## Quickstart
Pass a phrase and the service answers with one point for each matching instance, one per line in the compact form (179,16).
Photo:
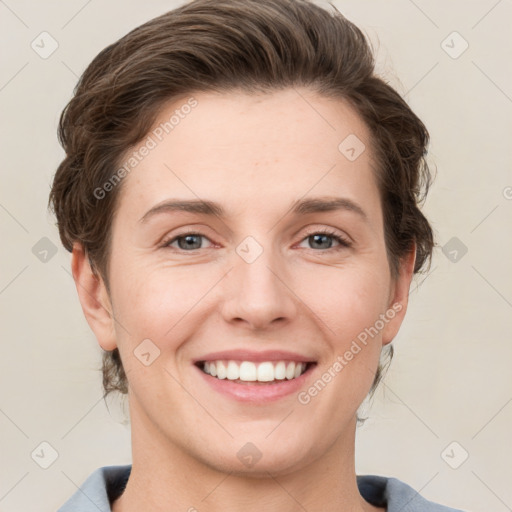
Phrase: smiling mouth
(264,372)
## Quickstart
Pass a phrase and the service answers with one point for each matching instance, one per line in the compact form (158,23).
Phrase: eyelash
(343,242)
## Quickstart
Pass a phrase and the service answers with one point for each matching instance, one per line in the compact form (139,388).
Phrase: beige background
(451,378)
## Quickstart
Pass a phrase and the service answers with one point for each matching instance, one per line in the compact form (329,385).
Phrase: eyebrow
(211,208)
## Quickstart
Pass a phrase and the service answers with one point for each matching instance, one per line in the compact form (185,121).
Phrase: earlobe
(94,298)
(397,306)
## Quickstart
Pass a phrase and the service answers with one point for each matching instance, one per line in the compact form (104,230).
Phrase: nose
(260,293)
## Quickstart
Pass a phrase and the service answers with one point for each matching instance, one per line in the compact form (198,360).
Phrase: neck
(165,477)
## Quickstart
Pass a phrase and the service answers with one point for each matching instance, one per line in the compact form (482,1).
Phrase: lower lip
(257,392)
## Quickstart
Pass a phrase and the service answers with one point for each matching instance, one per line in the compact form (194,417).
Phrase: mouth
(255,377)
(264,372)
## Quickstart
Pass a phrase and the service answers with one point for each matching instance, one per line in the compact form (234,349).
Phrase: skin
(255,155)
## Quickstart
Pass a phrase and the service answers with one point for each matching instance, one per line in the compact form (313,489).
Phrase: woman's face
(255,282)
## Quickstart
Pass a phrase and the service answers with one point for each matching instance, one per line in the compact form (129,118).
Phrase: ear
(94,298)
(399,297)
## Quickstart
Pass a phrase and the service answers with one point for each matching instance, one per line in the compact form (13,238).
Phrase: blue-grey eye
(189,241)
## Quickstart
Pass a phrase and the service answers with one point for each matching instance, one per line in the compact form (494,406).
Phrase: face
(260,283)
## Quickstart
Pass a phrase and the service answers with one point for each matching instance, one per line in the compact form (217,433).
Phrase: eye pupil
(189,241)
(318,237)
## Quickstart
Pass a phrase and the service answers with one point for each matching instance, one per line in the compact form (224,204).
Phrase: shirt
(107,483)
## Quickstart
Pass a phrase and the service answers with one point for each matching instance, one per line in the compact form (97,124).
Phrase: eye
(192,241)
(186,241)
(321,238)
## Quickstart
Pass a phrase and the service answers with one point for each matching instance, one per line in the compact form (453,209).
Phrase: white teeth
(290,371)
(249,371)
(233,371)
(221,369)
(265,372)
(280,371)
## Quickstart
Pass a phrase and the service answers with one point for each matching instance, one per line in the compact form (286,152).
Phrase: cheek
(347,299)
(166,305)
(157,306)
(153,304)
(352,303)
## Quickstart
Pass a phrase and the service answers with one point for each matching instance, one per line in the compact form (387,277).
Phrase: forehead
(244,149)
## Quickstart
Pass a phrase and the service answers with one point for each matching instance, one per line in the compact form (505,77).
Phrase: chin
(255,460)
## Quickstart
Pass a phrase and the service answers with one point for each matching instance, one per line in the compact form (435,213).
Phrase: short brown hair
(222,45)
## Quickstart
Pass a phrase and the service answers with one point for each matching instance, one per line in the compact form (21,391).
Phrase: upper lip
(251,355)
